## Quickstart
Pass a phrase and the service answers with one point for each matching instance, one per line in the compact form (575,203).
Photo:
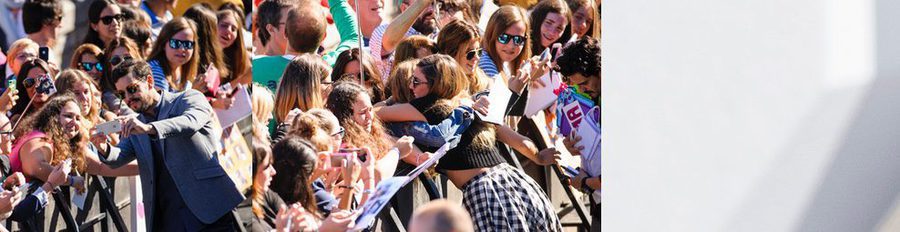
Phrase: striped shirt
(159,76)
(384,62)
(487,65)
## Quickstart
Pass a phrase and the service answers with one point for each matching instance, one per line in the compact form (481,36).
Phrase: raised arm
(396,30)
(345,21)
(526,147)
(436,135)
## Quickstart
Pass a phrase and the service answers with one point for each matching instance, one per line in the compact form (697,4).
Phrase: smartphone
(109,127)
(360,153)
(337,159)
(569,172)
(44,53)
(11,83)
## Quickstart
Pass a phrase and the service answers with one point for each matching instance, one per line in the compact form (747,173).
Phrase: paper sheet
(242,108)
(499,99)
(381,197)
(541,98)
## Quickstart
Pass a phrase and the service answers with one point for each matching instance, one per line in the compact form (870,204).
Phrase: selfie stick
(22,115)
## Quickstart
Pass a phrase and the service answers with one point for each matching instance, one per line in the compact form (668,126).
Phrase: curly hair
(340,102)
(46,120)
(582,56)
(294,161)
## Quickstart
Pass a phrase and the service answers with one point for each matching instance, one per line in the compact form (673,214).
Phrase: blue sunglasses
(516,39)
(179,44)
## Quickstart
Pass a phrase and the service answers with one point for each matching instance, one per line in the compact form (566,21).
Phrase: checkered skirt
(506,199)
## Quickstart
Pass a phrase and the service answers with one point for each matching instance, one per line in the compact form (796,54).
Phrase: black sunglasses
(416,82)
(178,44)
(340,132)
(116,60)
(87,67)
(131,89)
(109,18)
(473,53)
(516,39)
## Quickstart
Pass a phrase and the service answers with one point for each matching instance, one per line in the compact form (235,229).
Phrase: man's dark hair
(269,14)
(38,13)
(138,69)
(305,29)
(582,56)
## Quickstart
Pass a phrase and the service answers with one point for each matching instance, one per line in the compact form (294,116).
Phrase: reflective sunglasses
(116,60)
(516,39)
(87,67)
(109,18)
(131,89)
(179,44)
(473,54)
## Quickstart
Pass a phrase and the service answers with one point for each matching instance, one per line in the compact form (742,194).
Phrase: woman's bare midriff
(461,177)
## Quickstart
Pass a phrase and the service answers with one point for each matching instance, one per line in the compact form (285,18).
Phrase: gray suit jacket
(188,142)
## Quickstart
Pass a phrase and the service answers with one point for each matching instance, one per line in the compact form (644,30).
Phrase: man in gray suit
(184,187)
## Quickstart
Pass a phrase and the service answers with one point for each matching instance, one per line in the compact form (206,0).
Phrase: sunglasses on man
(131,89)
(116,60)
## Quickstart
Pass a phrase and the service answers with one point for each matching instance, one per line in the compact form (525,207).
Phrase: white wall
(726,115)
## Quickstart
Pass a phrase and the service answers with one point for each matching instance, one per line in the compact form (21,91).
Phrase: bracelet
(345,186)
(584,183)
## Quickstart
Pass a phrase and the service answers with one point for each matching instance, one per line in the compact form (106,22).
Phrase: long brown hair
(238,58)
(539,13)
(261,153)
(301,85)
(106,83)
(46,120)
(452,37)
(447,85)
(66,82)
(398,82)
(408,48)
(372,77)
(209,49)
(502,19)
(294,160)
(189,69)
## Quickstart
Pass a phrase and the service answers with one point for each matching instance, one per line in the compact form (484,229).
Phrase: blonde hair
(263,102)
(300,85)
(66,83)
(16,47)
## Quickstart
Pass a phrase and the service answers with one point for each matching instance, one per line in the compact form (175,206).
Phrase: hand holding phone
(110,127)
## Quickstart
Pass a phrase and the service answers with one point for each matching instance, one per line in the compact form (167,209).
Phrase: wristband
(584,183)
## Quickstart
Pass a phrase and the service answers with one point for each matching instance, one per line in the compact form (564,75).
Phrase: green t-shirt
(267,70)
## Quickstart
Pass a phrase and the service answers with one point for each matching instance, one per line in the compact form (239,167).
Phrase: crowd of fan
(396,91)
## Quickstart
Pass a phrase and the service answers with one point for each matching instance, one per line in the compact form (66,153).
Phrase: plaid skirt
(506,199)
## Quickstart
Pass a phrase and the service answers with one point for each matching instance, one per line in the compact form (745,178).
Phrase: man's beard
(421,25)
